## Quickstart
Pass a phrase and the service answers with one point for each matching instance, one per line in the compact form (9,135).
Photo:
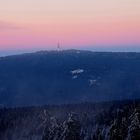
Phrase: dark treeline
(118,120)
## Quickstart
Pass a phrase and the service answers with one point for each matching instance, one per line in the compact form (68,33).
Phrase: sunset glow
(74,23)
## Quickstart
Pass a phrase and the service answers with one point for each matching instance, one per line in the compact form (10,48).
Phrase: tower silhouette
(58,46)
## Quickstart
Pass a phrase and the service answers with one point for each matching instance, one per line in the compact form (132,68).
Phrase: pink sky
(40,24)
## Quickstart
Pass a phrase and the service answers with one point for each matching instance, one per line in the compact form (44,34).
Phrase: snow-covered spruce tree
(84,134)
(46,124)
(54,131)
(123,129)
(119,128)
(97,134)
(72,128)
(134,128)
(113,133)
(104,132)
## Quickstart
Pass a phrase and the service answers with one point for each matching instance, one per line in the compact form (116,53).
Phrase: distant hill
(59,77)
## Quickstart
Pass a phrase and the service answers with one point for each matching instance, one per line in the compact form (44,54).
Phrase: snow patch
(75,77)
(77,71)
(92,82)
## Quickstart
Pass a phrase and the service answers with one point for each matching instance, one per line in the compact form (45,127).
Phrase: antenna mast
(58,46)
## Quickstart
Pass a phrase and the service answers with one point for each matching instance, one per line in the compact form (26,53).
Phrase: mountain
(70,76)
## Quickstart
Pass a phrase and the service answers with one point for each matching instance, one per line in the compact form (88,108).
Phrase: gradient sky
(40,24)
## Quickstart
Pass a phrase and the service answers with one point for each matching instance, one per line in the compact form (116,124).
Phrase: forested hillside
(87,121)
(72,76)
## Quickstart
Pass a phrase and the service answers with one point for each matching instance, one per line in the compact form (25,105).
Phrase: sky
(77,24)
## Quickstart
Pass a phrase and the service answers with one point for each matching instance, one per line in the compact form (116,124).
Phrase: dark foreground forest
(119,120)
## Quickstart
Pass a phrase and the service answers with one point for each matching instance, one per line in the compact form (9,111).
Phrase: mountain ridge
(71,76)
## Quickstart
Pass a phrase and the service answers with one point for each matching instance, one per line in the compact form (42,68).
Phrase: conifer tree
(72,128)
(134,128)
